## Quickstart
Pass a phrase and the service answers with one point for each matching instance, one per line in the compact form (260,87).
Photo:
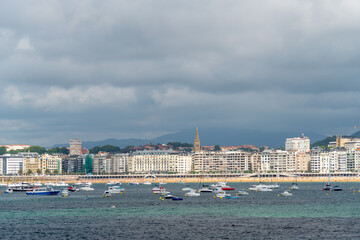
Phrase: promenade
(183,178)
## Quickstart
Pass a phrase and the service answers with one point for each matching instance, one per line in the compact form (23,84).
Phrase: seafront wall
(128,179)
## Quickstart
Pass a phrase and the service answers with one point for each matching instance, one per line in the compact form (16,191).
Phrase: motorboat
(107,193)
(60,184)
(228,188)
(273,185)
(162,183)
(242,192)
(116,189)
(286,194)
(147,183)
(133,183)
(110,183)
(222,194)
(9,190)
(117,184)
(158,190)
(192,193)
(37,184)
(176,199)
(43,191)
(187,189)
(87,188)
(206,189)
(337,188)
(260,188)
(294,186)
(73,189)
(168,196)
(65,192)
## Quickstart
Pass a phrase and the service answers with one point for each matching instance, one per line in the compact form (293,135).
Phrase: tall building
(298,144)
(75,146)
(11,164)
(197,147)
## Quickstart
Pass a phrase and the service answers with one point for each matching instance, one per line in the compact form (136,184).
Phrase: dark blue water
(139,214)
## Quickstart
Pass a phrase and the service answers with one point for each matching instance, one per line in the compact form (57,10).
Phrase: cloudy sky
(119,69)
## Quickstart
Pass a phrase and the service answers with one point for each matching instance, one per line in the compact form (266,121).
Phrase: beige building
(75,146)
(52,163)
(231,161)
(31,162)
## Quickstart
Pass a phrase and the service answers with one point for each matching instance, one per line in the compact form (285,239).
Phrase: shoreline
(75,179)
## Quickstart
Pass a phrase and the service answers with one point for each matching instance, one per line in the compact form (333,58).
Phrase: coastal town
(296,159)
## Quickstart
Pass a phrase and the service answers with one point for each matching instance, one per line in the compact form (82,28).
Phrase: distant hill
(209,137)
(327,140)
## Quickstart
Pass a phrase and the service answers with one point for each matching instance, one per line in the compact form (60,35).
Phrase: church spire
(197,147)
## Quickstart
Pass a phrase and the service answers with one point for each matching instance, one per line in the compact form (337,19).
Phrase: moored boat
(43,191)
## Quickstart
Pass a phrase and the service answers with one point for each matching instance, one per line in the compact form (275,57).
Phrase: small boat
(65,192)
(337,188)
(222,194)
(273,186)
(162,183)
(205,189)
(87,188)
(117,184)
(72,189)
(294,186)
(192,194)
(147,183)
(9,190)
(242,192)
(107,193)
(327,187)
(158,190)
(116,189)
(43,191)
(168,196)
(231,197)
(187,189)
(286,194)
(227,188)
(134,183)
(110,183)
(176,199)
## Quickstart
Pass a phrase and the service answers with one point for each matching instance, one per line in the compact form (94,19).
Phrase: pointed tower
(197,147)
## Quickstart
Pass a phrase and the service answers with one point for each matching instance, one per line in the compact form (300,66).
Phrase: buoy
(220,197)
(213,196)
(278,195)
(327,194)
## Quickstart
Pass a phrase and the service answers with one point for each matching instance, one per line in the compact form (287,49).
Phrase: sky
(121,69)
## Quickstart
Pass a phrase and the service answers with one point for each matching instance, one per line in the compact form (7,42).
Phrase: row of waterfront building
(341,156)
(168,161)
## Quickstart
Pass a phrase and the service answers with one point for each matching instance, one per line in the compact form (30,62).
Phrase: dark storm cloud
(144,68)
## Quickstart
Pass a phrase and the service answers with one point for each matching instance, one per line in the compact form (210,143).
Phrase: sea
(139,214)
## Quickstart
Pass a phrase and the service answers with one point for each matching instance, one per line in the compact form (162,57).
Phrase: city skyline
(98,70)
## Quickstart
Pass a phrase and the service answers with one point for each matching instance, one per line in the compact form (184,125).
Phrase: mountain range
(208,137)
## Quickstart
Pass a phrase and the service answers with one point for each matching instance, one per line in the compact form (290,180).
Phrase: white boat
(294,186)
(158,190)
(206,189)
(9,190)
(260,188)
(107,193)
(37,184)
(286,194)
(110,183)
(242,192)
(222,194)
(87,188)
(116,189)
(168,196)
(61,184)
(187,189)
(162,183)
(134,183)
(147,183)
(273,186)
(192,193)
(65,193)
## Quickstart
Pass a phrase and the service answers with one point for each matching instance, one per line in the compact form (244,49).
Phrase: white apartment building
(274,160)
(299,144)
(337,160)
(11,164)
(230,161)
(120,162)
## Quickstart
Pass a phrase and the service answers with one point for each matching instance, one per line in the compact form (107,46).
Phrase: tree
(37,149)
(20,172)
(47,171)
(38,171)
(217,148)
(29,172)
(2,150)
(62,150)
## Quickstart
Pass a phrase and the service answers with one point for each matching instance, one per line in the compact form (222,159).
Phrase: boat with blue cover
(43,191)
(176,199)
